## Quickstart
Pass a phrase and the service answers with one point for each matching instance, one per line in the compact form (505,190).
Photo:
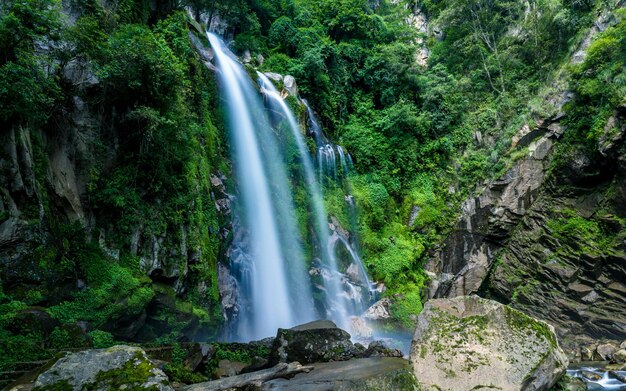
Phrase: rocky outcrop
(118,367)
(319,341)
(489,219)
(467,343)
(547,237)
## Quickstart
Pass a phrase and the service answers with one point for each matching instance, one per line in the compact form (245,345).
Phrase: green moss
(179,373)
(130,376)
(529,326)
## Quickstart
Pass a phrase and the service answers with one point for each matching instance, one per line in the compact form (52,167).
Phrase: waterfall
(336,303)
(272,277)
(272,162)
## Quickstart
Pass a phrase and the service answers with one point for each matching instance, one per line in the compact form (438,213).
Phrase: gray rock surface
(467,343)
(104,369)
(375,374)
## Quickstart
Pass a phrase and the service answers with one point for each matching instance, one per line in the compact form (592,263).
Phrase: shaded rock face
(505,246)
(554,269)
(551,246)
(468,343)
(104,369)
(487,220)
(322,341)
(313,342)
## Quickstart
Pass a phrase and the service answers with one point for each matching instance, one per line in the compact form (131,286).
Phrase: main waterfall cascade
(276,179)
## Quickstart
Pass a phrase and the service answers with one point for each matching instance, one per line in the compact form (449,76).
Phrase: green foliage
(114,292)
(409,304)
(581,234)
(28,87)
(17,347)
(101,339)
(600,85)
(180,374)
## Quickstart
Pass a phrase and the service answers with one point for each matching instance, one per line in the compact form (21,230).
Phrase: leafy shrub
(101,339)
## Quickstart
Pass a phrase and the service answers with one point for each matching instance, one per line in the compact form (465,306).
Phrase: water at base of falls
(280,200)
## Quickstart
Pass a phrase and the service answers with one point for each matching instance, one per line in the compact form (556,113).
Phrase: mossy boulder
(115,368)
(468,343)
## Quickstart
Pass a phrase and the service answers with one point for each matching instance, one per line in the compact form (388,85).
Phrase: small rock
(618,375)
(379,310)
(590,375)
(379,349)
(290,85)
(587,353)
(605,351)
(227,368)
(570,383)
(620,356)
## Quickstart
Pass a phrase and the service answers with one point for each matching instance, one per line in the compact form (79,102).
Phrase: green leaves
(28,87)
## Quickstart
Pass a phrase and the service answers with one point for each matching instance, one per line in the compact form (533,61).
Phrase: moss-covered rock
(116,368)
(468,342)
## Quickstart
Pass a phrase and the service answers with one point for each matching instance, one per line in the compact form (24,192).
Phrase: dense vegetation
(147,171)
(421,136)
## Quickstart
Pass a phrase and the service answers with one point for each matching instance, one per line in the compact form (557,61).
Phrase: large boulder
(467,343)
(118,367)
(319,341)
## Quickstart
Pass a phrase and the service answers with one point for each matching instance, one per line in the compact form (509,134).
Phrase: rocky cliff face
(548,236)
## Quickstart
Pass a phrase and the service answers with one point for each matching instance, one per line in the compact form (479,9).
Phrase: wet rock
(117,367)
(223,206)
(273,76)
(569,383)
(467,343)
(309,343)
(229,292)
(590,375)
(290,85)
(218,185)
(620,356)
(618,375)
(379,349)
(605,351)
(379,310)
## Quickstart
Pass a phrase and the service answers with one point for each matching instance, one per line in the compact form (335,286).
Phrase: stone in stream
(468,343)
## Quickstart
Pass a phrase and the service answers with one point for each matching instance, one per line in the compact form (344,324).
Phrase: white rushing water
(273,281)
(336,302)
(272,162)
